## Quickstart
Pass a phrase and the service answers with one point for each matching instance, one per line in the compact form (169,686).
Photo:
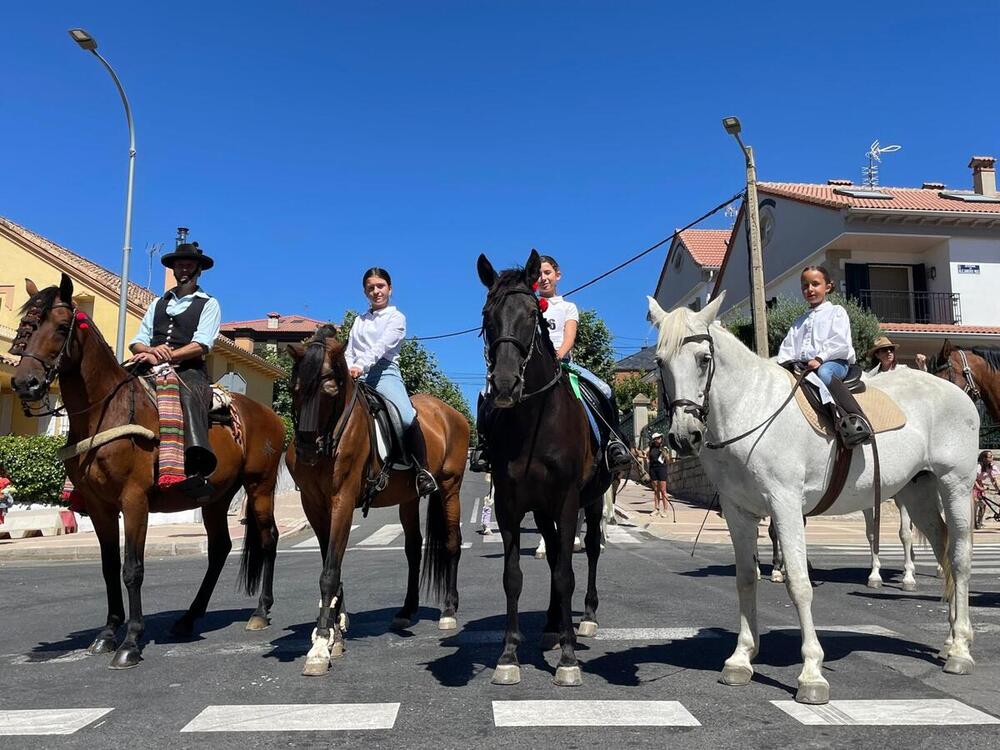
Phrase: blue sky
(305,141)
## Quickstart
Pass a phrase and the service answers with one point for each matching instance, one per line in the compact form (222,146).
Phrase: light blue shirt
(208,324)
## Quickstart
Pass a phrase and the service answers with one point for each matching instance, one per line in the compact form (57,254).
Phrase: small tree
(628,388)
(864,323)
(592,348)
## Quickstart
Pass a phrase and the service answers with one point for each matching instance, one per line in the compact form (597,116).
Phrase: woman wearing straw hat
(883,351)
(657,456)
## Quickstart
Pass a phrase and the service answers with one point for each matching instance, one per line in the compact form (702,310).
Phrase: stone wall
(686,479)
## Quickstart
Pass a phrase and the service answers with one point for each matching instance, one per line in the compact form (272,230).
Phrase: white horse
(715,388)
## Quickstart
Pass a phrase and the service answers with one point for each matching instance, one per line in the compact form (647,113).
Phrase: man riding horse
(179,329)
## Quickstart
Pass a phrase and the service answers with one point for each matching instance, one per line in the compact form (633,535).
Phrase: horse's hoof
(586,629)
(401,623)
(539,554)
(125,658)
(909,585)
(447,623)
(550,641)
(183,628)
(506,674)
(874,583)
(777,577)
(568,677)
(813,693)
(337,649)
(256,622)
(959,665)
(736,676)
(316,667)
(102,645)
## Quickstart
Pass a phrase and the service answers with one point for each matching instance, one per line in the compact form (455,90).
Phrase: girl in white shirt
(820,340)
(372,350)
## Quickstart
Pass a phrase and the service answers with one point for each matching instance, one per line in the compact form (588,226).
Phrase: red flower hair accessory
(81,319)
(81,316)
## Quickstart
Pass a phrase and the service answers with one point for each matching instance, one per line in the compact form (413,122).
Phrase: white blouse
(824,332)
(378,334)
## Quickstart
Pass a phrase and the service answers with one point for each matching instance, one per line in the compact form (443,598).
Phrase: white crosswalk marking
(383,537)
(617,535)
(580,713)
(295,717)
(48,720)
(312,542)
(946,712)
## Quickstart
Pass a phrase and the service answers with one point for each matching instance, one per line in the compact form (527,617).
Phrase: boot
(479,461)
(417,449)
(199,460)
(851,423)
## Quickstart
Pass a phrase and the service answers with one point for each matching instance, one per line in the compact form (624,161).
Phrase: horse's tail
(434,574)
(252,559)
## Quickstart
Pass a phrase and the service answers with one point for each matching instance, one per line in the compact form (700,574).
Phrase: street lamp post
(88,43)
(732,126)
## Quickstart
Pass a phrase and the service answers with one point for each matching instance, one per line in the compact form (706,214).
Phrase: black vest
(178,330)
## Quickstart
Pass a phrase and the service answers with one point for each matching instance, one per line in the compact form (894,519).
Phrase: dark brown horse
(975,371)
(331,466)
(543,459)
(55,340)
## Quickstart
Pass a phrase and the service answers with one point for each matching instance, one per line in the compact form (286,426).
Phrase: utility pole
(750,205)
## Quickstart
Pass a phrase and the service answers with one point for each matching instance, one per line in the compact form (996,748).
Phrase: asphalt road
(667,623)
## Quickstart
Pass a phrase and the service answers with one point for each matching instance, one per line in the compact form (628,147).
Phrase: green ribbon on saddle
(574,379)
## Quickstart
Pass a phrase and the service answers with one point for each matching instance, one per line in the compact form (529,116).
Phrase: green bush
(33,467)
(864,324)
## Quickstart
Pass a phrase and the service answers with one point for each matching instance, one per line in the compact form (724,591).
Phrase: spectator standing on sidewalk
(5,494)
(657,457)
(986,479)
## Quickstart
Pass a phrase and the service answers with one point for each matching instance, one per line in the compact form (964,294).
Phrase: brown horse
(331,467)
(975,371)
(55,340)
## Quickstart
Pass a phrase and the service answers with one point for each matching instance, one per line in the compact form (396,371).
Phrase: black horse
(544,460)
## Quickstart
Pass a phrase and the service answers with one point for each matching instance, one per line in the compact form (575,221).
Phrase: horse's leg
(261,522)
(738,669)
(409,517)
(875,576)
(906,539)
(219,545)
(106,527)
(328,636)
(592,541)
(507,671)
(788,521)
(550,633)
(777,559)
(452,502)
(136,513)
(954,493)
(568,670)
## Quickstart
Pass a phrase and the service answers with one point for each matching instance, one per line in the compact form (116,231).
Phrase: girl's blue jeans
(384,377)
(835,368)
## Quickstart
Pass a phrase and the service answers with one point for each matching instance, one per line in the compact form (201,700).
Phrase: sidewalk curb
(93,552)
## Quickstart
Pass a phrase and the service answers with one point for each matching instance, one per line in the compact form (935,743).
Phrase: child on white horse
(820,339)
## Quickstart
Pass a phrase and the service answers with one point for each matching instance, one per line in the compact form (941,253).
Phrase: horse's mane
(673,328)
(41,302)
(512,278)
(310,367)
(990,354)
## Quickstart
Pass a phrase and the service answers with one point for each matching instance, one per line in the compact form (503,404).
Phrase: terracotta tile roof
(707,246)
(939,328)
(903,199)
(137,295)
(286,324)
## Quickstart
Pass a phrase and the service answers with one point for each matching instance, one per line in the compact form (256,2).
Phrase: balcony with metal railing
(912,307)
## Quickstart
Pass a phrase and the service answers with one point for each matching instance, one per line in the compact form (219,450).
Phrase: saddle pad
(882,411)
(383,445)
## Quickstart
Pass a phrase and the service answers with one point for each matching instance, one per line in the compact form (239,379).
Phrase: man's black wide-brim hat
(188,251)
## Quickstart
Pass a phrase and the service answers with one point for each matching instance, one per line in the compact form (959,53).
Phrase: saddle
(881,411)
(221,411)
(387,427)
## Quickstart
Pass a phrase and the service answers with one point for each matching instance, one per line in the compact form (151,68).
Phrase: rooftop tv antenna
(874,155)
(152,251)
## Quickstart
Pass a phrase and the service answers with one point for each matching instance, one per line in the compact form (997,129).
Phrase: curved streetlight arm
(127,245)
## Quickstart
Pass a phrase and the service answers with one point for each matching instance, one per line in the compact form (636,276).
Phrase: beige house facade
(25,254)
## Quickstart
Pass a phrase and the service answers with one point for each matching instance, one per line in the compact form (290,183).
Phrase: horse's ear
(710,312)
(296,351)
(533,268)
(487,274)
(947,348)
(656,313)
(30,287)
(66,289)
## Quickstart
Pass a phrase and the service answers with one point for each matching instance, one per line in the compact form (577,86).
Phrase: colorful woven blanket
(168,402)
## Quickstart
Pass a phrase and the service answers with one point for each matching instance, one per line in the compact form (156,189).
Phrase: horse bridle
(329,436)
(490,348)
(698,411)
(971,389)
(51,370)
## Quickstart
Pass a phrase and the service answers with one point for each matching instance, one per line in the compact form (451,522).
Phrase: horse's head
(685,353)
(319,375)
(513,327)
(957,366)
(45,339)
